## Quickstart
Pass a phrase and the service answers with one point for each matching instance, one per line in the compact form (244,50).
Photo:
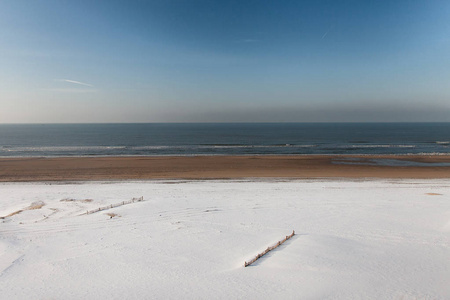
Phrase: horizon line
(234,122)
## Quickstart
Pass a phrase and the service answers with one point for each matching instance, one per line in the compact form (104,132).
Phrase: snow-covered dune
(375,239)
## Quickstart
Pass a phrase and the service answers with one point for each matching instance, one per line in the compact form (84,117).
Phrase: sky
(224,61)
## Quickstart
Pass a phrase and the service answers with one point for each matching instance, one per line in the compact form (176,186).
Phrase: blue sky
(224,61)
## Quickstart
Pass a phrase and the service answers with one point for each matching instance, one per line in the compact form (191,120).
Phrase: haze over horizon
(224,61)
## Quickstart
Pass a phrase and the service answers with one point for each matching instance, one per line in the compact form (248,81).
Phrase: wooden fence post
(270,248)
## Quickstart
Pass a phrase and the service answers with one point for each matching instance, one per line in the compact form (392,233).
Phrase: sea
(190,139)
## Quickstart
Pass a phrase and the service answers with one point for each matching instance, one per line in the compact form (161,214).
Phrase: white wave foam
(62,148)
(383,146)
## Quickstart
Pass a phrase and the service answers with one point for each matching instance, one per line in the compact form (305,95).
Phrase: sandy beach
(222,167)
(366,227)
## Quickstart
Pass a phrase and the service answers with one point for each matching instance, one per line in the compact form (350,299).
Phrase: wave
(59,148)
(138,148)
(431,153)
(223,149)
(359,147)
(384,146)
(256,146)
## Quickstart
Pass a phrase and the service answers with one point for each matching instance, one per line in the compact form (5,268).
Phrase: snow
(371,239)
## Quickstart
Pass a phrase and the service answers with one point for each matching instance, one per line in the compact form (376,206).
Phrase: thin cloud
(76,82)
(326,33)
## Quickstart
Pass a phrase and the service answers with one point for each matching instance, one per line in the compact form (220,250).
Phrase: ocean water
(25,140)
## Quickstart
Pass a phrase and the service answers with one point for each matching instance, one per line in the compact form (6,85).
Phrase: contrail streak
(325,34)
(77,82)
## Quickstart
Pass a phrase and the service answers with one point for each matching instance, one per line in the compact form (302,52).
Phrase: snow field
(371,239)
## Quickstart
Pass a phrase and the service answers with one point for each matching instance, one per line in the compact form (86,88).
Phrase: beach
(354,239)
(372,227)
(220,167)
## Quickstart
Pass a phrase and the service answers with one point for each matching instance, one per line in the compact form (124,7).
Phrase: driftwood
(246,264)
(88,212)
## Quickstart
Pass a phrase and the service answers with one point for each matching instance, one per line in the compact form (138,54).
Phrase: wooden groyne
(259,255)
(88,212)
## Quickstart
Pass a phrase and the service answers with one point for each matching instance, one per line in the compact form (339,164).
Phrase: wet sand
(217,167)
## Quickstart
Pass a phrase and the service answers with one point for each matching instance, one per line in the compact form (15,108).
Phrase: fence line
(259,255)
(88,212)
